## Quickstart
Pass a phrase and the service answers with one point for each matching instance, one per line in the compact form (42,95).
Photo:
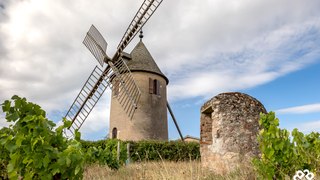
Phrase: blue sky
(267,49)
(295,89)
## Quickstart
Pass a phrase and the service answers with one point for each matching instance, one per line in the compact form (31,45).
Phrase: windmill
(116,75)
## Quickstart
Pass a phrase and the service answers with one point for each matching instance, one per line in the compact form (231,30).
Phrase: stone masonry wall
(149,121)
(229,128)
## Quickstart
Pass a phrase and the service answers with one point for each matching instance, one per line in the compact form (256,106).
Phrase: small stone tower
(149,120)
(228,131)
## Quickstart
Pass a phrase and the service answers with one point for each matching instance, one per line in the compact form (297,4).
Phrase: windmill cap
(141,60)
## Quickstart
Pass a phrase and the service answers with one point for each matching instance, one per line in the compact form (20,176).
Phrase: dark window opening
(114,133)
(154,86)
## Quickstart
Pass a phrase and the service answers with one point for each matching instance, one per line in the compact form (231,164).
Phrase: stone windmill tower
(149,120)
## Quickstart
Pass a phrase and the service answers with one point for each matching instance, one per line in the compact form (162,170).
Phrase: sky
(267,49)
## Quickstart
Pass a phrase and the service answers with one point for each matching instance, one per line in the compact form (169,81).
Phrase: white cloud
(98,119)
(3,121)
(304,109)
(203,47)
(261,60)
(312,126)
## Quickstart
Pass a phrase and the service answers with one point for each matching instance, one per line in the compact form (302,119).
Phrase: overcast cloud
(216,45)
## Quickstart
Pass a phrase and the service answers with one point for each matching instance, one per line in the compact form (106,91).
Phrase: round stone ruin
(229,126)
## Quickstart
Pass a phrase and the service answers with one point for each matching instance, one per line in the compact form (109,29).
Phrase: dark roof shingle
(141,60)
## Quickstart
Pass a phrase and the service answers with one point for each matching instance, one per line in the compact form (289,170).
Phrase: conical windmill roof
(141,60)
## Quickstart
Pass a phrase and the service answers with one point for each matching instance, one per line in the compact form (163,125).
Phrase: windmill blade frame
(95,86)
(129,93)
(87,98)
(116,70)
(145,11)
(96,44)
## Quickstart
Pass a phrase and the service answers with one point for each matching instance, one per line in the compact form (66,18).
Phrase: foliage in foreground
(282,155)
(35,150)
(4,158)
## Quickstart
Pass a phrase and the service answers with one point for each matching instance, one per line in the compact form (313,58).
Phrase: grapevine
(36,149)
(281,154)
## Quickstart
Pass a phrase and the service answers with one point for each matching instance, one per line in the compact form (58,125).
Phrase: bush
(4,158)
(163,150)
(105,151)
(35,149)
(282,155)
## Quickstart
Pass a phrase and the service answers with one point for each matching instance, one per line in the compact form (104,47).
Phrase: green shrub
(104,152)
(35,149)
(4,158)
(282,155)
(88,144)
(157,150)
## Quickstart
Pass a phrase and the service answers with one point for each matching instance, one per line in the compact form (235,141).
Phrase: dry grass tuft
(163,170)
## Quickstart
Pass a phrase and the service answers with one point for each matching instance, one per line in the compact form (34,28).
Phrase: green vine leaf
(33,149)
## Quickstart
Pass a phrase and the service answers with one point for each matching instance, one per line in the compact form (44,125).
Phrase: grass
(163,170)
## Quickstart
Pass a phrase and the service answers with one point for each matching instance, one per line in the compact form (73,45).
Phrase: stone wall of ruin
(229,128)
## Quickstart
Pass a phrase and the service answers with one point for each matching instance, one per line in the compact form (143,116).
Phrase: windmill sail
(96,44)
(87,98)
(116,73)
(95,86)
(145,11)
(129,93)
